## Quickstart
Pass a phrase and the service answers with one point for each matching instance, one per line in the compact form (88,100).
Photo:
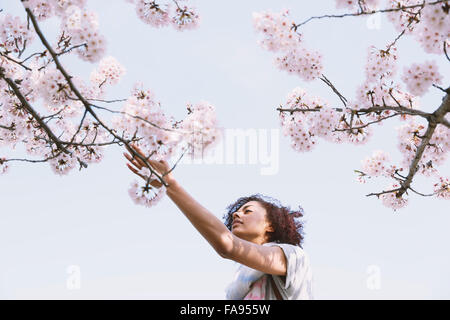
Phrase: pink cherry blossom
(419,77)
(45,87)
(355,5)
(147,196)
(153,13)
(143,116)
(391,200)
(442,188)
(428,25)
(377,164)
(109,72)
(185,18)
(301,62)
(82,28)
(405,19)
(63,163)
(4,168)
(435,152)
(381,64)
(280,35)
(61,6)
(14,34)
(277,31)
(42,9)
(157,14)
(200,128)
(305,127)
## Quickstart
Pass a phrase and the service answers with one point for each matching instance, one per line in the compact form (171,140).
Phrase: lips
(237,222)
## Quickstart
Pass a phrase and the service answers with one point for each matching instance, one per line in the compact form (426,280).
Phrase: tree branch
(86,104)
(31,111)
(367,12)
(328,82)
(432,123)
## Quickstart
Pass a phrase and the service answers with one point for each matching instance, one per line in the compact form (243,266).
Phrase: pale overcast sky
(53,227)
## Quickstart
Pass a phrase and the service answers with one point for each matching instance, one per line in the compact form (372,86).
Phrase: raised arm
(266,259)
(209,226)
(263,258)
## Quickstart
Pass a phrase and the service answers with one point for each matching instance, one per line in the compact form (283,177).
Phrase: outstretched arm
(209,226)
(266,259)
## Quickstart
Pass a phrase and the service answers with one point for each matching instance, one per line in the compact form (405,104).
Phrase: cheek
(256,225)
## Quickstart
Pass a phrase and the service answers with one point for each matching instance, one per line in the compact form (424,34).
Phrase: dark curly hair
(287,228)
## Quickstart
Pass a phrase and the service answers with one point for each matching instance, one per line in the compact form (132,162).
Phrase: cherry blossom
(109,71)
(319,120)
(42,9)
(379,97)
(157,14)
(82,28)
(365,5)
(428,25)
(163,138)
(277,31)
(143,116)
(280,35)
(405,19)
(435,153)
(419,77)
(301,62)
(14,34)
(152,13)
(3,166)
(381,64)
(442,188)
(49,109)
(377,164)
(185,18)
(391,199)
(146,196)
(200,128)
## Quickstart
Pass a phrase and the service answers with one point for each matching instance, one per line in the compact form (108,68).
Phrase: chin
(235,232)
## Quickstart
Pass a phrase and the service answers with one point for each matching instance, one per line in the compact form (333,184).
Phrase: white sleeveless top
(251,284)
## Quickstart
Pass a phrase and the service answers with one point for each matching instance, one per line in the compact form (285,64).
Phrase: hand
(161,167)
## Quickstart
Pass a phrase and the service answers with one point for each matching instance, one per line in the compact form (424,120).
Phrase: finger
(135,162)
(136,171)
(154,183)
(136,158)
(136,150)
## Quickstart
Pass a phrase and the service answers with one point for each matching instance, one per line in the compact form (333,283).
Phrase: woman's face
(250,223)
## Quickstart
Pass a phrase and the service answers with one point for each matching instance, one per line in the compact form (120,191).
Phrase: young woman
(258,233)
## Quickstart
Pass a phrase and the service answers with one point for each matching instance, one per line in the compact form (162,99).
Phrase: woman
(262,236)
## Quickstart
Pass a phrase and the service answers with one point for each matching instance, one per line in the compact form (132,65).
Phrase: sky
(81,236)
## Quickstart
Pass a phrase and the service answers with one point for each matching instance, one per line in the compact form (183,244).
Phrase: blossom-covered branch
(41,80)
(424,139)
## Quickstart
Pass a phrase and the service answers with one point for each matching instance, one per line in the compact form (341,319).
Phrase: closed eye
(248,210)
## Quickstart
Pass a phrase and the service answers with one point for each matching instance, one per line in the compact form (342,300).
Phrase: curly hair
(287,229)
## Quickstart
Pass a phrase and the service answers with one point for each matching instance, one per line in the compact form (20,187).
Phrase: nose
(235,215)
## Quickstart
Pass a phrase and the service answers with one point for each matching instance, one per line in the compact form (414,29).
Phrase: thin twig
(401,8)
